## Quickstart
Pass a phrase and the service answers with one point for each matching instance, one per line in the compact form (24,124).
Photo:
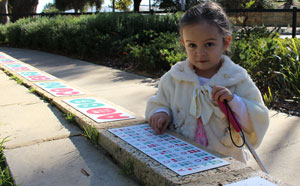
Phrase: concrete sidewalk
(125,89)
(279,150)
(44,149)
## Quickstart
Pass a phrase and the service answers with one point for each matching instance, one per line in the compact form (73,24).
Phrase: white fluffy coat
(180,93)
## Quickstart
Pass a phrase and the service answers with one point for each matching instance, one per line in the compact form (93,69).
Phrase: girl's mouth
(203,61)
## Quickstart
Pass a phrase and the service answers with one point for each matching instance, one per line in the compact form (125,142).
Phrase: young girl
(187,96)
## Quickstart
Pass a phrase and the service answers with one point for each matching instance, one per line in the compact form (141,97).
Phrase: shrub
(151,43)
(271,61)
(155,51)
(3,30)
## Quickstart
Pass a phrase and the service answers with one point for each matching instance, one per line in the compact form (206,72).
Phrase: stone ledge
(152,173)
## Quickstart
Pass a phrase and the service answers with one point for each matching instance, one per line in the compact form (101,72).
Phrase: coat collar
(228,74)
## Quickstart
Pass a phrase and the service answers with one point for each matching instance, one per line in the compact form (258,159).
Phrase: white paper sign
(98,110)
(174,153)
(18,67)
(59,88)
(36,76)
(255,181)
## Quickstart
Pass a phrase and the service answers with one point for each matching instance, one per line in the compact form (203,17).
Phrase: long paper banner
(59,89)
(98,110)
(174,153)
(5,60)
(18,67)
(36,76)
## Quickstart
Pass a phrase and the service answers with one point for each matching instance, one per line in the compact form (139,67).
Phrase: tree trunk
(288,4)
(3,10)
(79,5)
(99,5)
(22,7)
(136,5)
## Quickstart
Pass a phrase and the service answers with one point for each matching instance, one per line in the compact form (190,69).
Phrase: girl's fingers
(164,127)
(214,91)
(159,122)
(155,125)
(221,93)
(151,122)
(161,125)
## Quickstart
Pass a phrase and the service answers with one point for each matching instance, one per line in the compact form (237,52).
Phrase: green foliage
(3,30)
(18,80)
(91,133)
(268,98)
(32,90)
(271,61)
(97,3)
(151,43)
(152,50)
(84,35)
(70,117)
(5,177)
(122,5)
(50,8)
(246,4)
(71,4)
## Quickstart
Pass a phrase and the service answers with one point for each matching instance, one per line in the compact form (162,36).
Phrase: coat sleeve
(162,99)
(258,112)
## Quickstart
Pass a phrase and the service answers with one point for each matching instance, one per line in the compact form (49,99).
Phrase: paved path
(44,149)
(279,150)
(125,89)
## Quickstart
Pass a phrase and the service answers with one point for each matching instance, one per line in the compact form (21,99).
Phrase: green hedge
(151,43)
(84,35)
(272,62)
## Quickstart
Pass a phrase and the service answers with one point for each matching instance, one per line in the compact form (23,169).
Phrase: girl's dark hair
(210,12)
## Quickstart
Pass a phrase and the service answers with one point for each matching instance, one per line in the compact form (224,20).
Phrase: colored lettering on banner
(36,76)
(59,89)
(98,110)
(6,60)
(174,153)
(18,67)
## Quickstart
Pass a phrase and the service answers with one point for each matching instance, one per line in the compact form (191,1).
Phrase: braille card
(174,153)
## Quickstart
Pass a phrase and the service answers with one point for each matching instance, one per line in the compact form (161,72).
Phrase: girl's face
(204,46)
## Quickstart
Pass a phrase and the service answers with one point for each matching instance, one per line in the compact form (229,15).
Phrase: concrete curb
(133,161)
(152,173)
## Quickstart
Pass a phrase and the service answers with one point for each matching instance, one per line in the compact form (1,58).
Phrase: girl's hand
(159,122)
(221,93)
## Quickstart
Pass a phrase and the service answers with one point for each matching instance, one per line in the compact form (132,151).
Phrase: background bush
(151,43)
(272,62)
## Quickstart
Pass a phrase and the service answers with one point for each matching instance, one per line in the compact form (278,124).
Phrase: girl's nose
(202,52)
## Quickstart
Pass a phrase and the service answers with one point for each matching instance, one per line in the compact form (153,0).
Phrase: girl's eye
(210,44)
(192,45)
